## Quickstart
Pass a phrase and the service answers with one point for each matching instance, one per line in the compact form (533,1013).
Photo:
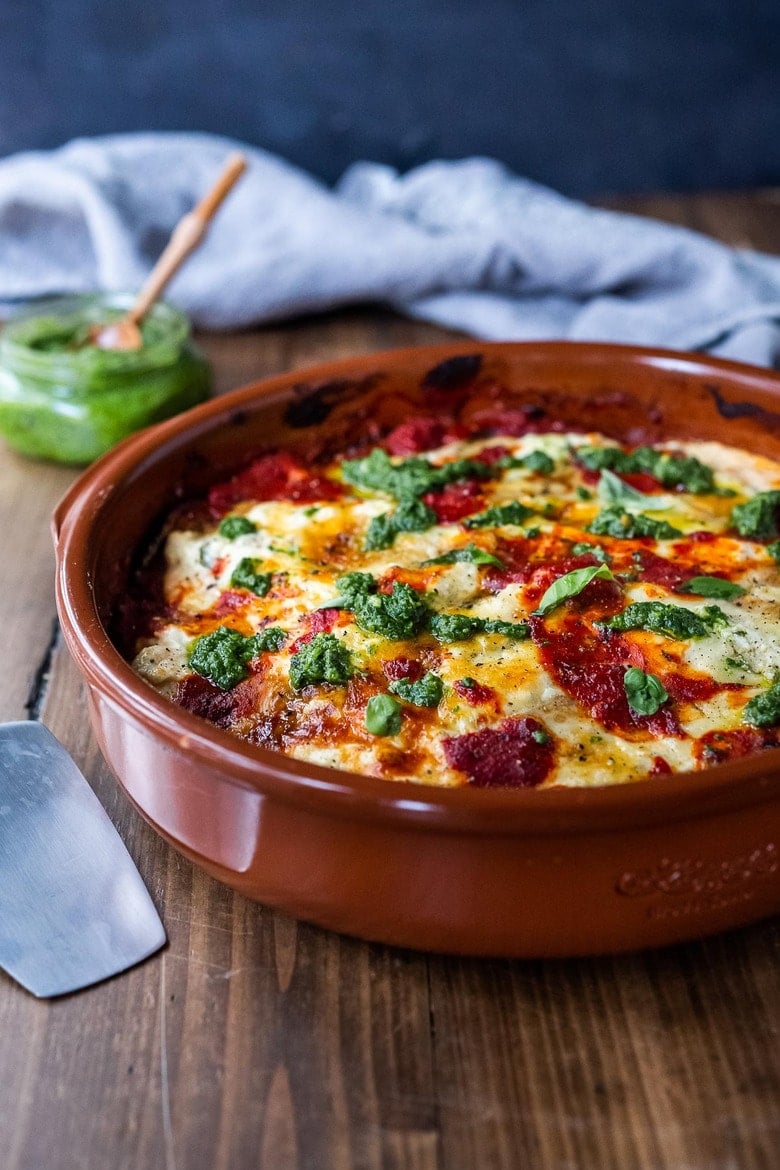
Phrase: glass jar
(65,399)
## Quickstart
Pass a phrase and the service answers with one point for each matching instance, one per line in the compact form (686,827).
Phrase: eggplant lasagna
(550,609)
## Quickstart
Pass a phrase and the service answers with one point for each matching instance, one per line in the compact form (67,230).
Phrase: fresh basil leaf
(612,491)
(645,692)
(569,585)
(774,550)
(470,554)
(717,587)
(383,715)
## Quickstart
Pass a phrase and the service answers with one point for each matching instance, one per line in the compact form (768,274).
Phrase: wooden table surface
(256,1041)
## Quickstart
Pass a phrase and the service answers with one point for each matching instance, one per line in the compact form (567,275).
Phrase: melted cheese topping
(551,708)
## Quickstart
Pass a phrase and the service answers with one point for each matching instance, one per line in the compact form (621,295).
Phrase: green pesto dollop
(411,515)
(537,461)
(459,627)
(759,517)
(397,615)
(673,621)
(222,656)
(512,513)
(613,521)
(424,692)
(350,586)
(234,526)
(249,575)
(763,710)
(682,472)
(324,659)
(410,478)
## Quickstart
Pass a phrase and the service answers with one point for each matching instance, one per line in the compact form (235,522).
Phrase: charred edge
(453,372)
(312,405)
(742,409)
(40,683)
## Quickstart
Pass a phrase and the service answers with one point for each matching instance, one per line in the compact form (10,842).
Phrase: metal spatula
(73,907)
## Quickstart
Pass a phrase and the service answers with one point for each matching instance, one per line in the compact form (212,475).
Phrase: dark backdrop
(590,96)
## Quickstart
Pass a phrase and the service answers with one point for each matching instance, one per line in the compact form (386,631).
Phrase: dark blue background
(590,97)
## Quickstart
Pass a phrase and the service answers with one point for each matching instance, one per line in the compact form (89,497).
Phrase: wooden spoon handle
(186,236)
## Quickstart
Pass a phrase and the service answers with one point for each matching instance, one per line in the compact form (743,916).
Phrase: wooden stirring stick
(188,233)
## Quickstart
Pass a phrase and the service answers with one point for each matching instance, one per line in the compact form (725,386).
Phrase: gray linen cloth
(464,244)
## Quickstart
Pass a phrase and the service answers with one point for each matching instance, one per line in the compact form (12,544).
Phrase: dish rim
(463,810)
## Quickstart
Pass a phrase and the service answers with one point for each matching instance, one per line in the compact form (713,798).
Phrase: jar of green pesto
(63,398)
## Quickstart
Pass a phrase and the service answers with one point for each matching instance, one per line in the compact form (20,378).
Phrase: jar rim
(89,308)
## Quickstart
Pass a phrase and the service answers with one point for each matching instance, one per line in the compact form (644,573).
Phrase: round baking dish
(492,872)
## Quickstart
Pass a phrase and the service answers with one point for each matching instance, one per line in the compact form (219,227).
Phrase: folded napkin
(464,244)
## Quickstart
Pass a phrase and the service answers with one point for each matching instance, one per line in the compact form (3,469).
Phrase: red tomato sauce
(695,688)
(590,669)
(718,746)
(605,595)
(475,693)
(273,477)
(396,668)
(660,571)
(231,600)
(421,434)
(456,500)
(507,756)
(642,481)
(198,695)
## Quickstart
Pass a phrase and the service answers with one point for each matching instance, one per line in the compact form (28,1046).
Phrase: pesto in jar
(65,399)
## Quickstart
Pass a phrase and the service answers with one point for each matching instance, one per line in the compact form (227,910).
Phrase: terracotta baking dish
(491,872)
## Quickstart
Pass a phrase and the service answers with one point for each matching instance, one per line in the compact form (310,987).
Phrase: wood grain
(257,1042)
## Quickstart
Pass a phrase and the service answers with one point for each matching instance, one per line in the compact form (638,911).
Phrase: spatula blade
(73,907)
